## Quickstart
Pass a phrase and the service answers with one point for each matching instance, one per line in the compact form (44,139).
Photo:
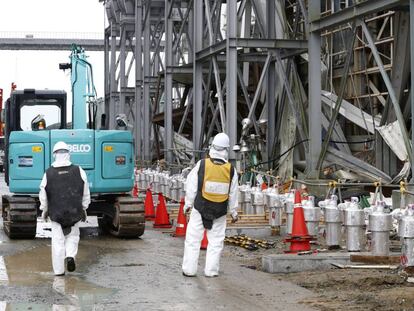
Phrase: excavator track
(129,218)
(19,216)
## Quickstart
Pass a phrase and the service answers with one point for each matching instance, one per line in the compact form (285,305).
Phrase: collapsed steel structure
(315,88)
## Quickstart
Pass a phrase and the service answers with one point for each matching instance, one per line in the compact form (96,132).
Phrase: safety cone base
(298,244)
(150,217)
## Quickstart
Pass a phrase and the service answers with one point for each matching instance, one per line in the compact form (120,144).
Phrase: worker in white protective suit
(64,197)
(211,188)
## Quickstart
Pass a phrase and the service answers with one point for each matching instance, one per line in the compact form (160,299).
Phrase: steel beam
(247,29)
(138,126)
(231,76)
(338,103)
(259,86)
(113,84)
(122,56)
(315,86)
(23,44)
(107,82)
(168,87)
(387,81)
(147,156)
(270,83)
(351,13)
(296,110)
(412,82)
(198,19)
(269,43)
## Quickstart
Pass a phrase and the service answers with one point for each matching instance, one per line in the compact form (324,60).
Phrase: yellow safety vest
(216,182)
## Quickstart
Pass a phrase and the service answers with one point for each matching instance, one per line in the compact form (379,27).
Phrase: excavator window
(35,117)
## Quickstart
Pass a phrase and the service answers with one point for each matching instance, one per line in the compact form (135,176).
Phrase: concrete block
(285,263)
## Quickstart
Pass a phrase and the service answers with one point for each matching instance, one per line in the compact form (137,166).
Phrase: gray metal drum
(257,197)
(149,178)
(182,189)
(354,221)
(380,225)
(244,193)
(268,195)
(289,206)
(274,203)
(275,216)
(333,223)
(407,252)
(156,183)
(138,179)
(407,230)
(246,208)
(257,200)
(258,209)
(312,217)
(407,227)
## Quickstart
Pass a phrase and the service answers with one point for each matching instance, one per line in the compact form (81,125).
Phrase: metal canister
(244,193)
(175,189)
(141,180)
(257,200)
(312,216)
(333,222)
(147,182)
(156,183)
(267,193)
(168,188)
(289,207)
(407,231)
(380,224)
(399,214)
(275,206)
(354,222)
(164,183)
(182,188)
(245,199)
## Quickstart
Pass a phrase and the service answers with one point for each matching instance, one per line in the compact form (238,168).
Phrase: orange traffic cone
(204,242)
(149,206)
(162,219)
(299,238)
(181,226)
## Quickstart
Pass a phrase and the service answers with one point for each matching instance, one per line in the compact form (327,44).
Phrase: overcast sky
(40,69)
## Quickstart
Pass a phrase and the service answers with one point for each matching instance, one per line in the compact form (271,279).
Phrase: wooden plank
(371,259)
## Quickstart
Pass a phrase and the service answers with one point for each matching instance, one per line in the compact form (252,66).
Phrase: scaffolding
(303,88)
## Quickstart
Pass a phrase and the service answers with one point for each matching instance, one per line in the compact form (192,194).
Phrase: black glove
(84,216)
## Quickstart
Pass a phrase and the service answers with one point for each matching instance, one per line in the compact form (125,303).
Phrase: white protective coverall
(63,246)
(195,228)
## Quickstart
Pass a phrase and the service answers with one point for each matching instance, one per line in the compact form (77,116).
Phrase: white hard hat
(221,140)
(60,145)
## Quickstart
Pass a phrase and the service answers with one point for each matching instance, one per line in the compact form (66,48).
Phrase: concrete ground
(141,274)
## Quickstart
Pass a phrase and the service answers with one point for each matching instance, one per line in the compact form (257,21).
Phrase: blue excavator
(34,121)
